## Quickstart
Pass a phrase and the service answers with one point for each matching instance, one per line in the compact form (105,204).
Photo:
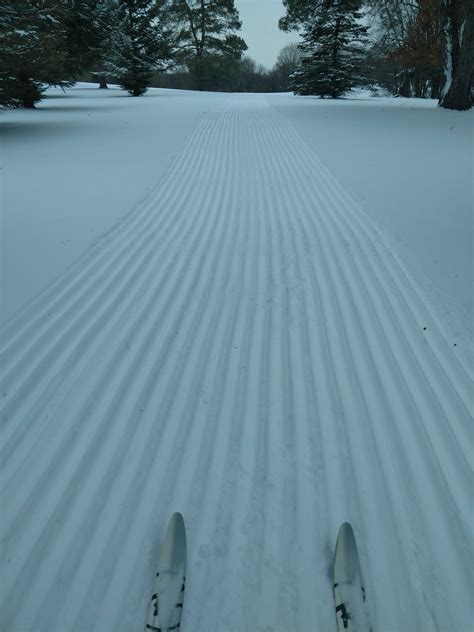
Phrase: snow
(254,336)
(73,168)
(409,165)
(405,161)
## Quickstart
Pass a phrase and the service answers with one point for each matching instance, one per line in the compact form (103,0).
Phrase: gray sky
(260,29)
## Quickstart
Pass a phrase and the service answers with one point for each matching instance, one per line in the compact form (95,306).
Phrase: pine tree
(298,13)
(333,50)
(207,38)
(108,25)
(9,47)
(141,44)
(32,50)
(83,35)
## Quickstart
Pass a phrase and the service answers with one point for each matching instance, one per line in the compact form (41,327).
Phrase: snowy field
(255,310)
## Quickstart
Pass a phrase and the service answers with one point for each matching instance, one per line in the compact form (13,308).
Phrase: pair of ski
(167,600)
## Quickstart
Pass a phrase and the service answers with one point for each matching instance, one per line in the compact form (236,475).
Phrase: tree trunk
(102,82)
(405,88)
(458,43)
(27,91)
(435,87)
(199,69)
(418,84)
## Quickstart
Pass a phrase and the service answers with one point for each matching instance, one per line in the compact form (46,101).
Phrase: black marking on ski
(363,593)
(152,627)
(154,603)
(174,627)
(344,614)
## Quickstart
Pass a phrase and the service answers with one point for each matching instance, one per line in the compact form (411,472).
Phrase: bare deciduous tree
(288,60)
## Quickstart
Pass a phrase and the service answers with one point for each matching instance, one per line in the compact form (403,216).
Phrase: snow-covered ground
(410,166)
(87,157)
(73,168)
(264,324)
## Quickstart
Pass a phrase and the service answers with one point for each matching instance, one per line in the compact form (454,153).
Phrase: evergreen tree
(32,50)
(50,42)
(108,25)
(298,13)
(207,38)
(83,35)
(141,43)
(9,45)
(333,53)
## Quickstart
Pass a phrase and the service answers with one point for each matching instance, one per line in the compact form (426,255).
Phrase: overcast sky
(260,29)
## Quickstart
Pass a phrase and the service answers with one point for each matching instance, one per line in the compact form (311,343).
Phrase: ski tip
(176,525)
(177,521)
(346,556)
(173,550)
(345,536)
(345,528)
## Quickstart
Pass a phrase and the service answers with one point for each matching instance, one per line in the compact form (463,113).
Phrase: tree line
(421,48)
(239,75)
(55,42)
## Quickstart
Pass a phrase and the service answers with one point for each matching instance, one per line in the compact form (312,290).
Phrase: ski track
(243,348)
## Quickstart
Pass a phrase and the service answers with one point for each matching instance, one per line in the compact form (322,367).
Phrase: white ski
(349,592)
(167,600)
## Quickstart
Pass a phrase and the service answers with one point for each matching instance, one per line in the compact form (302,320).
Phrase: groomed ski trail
(242,348)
